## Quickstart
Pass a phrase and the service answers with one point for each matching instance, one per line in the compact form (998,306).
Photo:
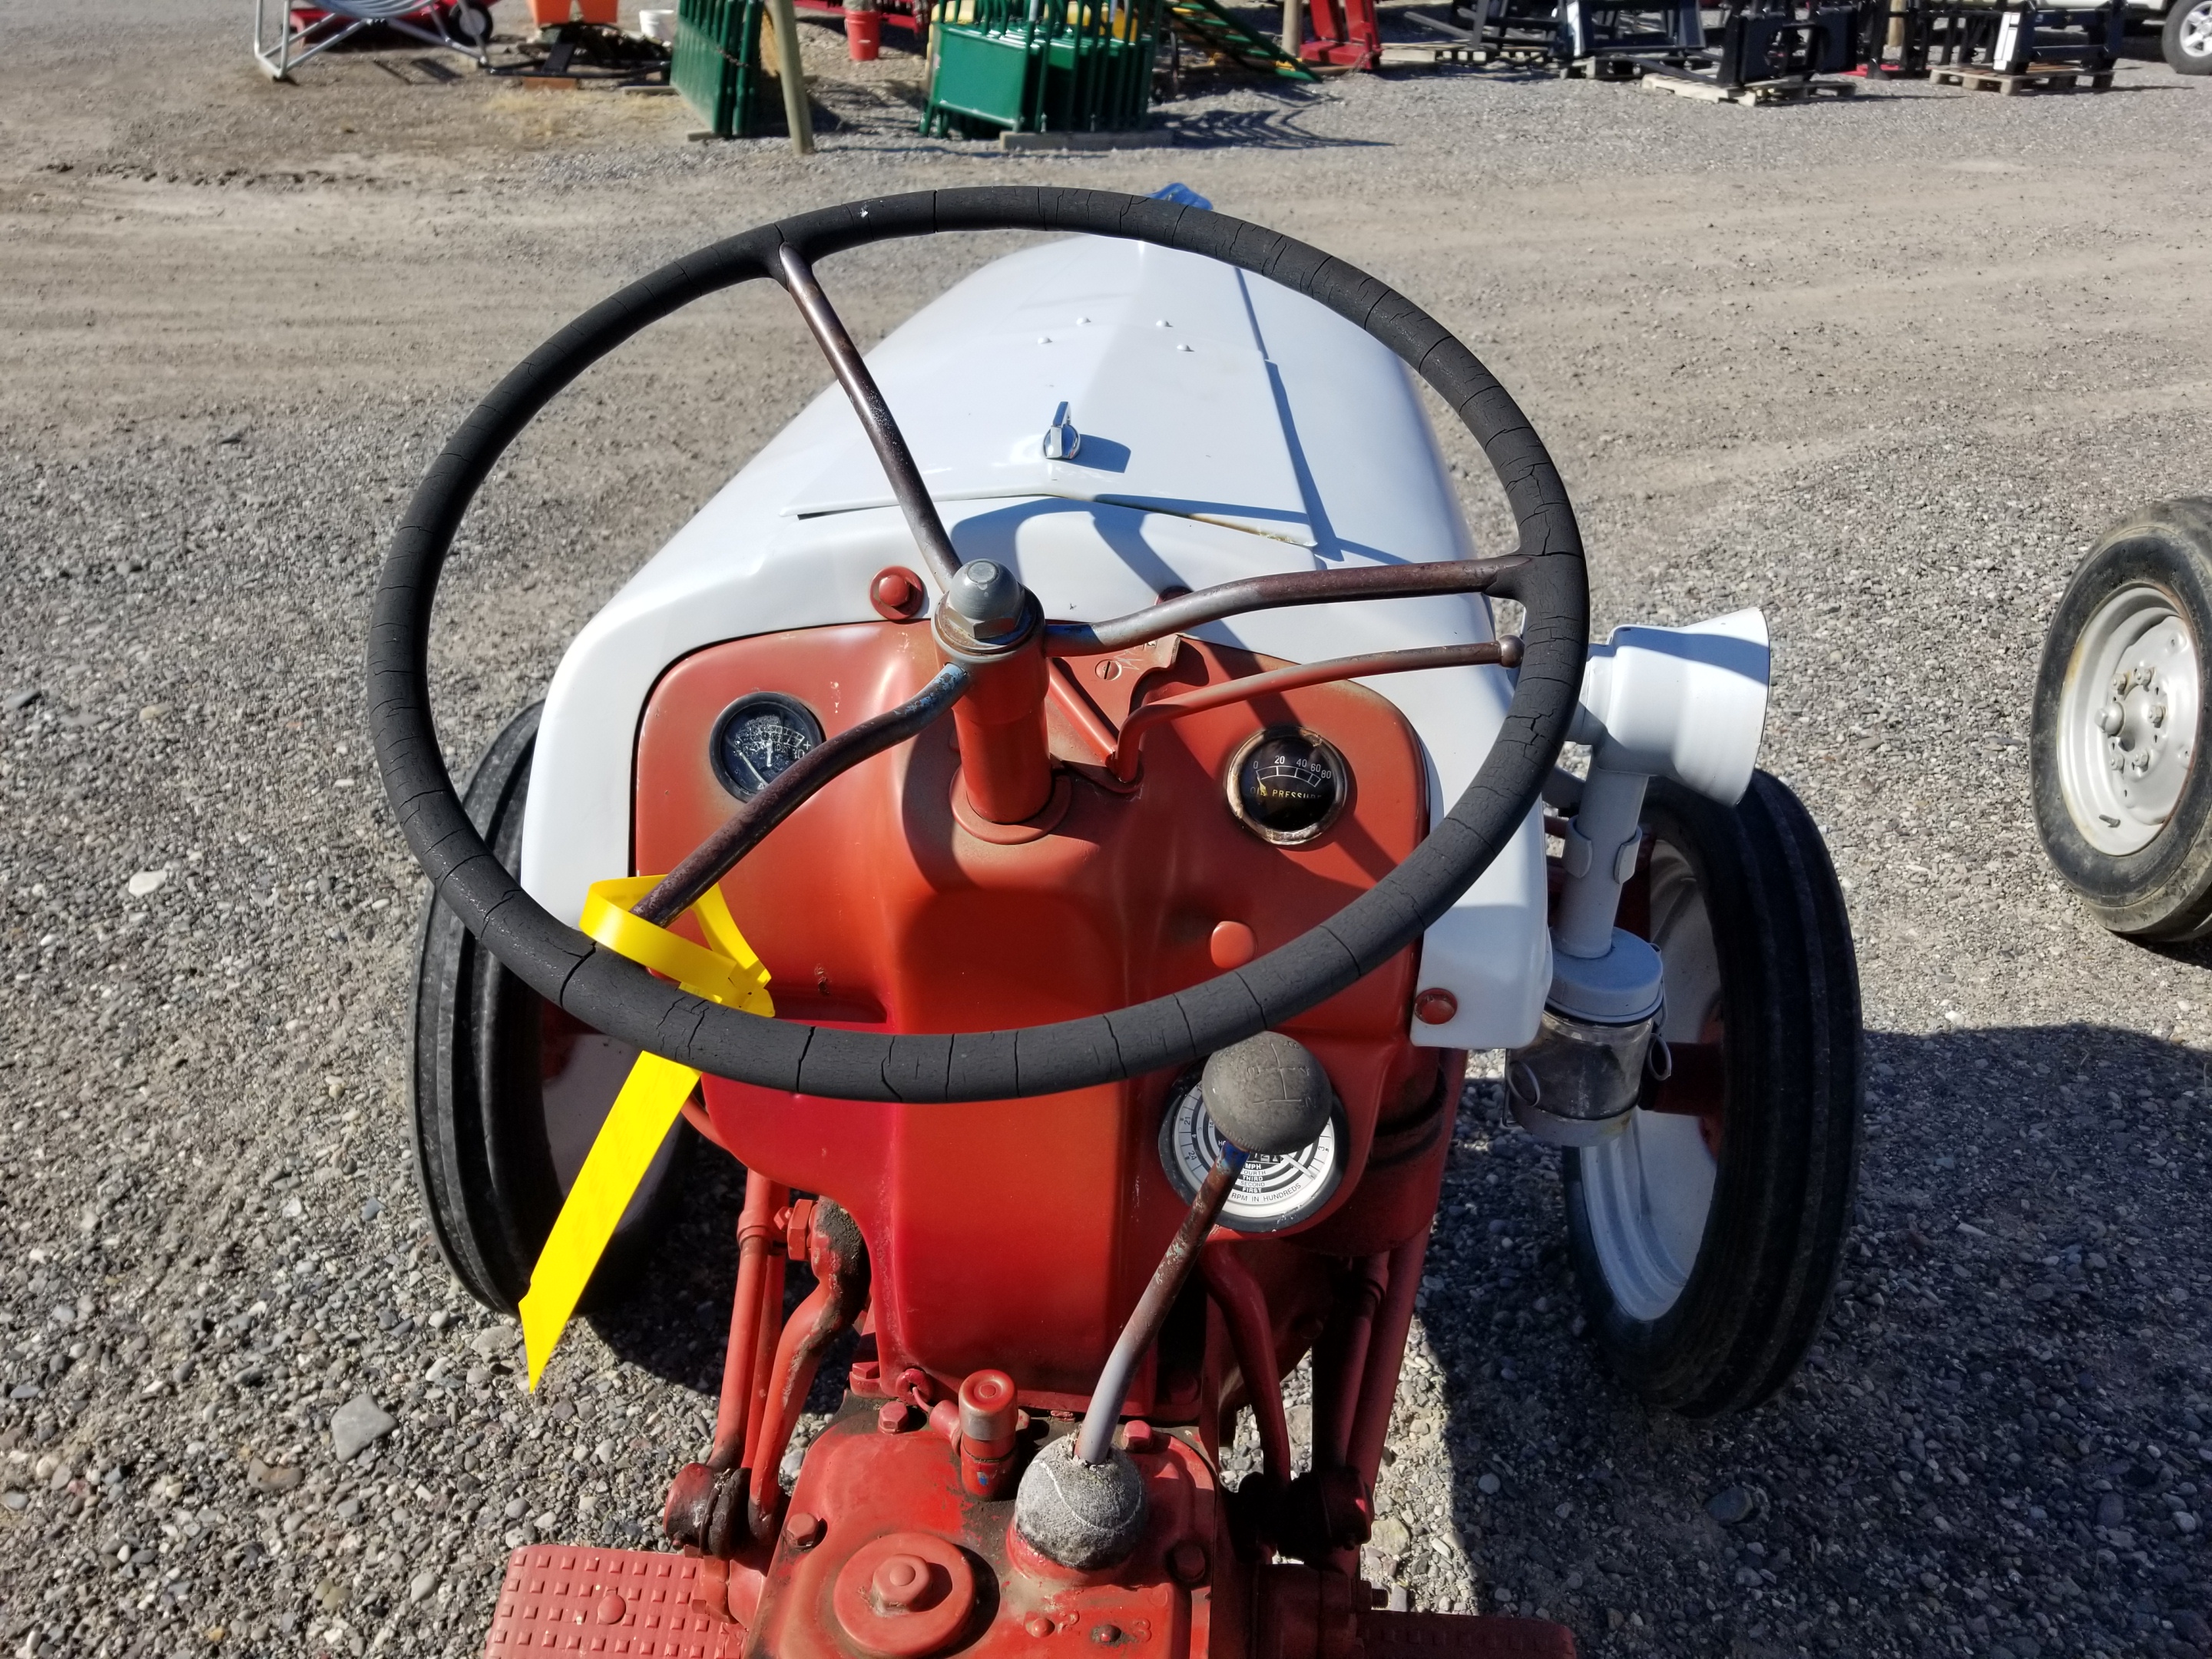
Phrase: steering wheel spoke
(796,272)
(1506,653)
(1225,599)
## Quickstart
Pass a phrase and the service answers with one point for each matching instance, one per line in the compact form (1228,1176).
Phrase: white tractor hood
(1228,428)
(1178,407)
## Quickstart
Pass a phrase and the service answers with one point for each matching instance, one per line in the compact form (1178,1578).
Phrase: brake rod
(875,413)
(790,789)
(1179,616)
(1506,653)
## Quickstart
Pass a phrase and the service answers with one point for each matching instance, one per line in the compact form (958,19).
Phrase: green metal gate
(1041,66)
(717,65)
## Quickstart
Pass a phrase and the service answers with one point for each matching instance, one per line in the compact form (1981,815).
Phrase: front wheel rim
(2194,35)
(1648,1191)
(2127,717)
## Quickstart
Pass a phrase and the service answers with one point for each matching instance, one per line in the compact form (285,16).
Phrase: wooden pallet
(1423,54)
(2038,77)
(1753,92)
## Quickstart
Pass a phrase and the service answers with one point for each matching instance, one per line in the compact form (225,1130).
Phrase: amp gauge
(758,738)
(1271,1194)
(1287,784)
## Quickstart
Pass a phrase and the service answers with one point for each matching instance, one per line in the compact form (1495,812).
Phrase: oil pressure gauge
(758,738)
(1271,1194)
(1287,784)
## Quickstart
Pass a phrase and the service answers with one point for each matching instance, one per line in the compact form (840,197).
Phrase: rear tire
(2125,815)
(1706,1247)
(471,19)
(509,1091)
(2186,39)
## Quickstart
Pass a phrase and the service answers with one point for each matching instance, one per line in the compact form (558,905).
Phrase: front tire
(1706,1236)
(509,1091)
(2123,811)
(2186,39)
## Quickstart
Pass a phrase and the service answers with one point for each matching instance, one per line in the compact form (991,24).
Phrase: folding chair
(302,31)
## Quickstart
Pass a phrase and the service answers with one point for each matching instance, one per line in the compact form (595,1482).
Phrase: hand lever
(1268,1095)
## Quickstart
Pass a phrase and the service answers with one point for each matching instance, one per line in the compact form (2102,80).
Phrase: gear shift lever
(1267,1095)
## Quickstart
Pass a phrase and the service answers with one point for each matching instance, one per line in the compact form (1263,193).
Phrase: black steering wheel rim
(616,996)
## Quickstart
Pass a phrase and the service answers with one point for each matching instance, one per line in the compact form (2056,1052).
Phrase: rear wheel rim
(1648,1191)
(2127,715)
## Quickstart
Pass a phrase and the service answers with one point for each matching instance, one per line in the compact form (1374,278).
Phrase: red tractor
(1064,843)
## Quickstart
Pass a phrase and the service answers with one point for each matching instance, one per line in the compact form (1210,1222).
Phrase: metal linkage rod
(1146,715)
(1095,1442)
(1388,582)
(876,418)
(743,831)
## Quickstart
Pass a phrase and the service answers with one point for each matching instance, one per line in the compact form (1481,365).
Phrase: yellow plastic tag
(650,1101)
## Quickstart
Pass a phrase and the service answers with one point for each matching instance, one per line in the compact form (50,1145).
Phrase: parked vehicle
(2185,35)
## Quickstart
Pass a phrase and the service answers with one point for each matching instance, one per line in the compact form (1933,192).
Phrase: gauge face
(1272,1192)
(758,738)
(1287,784)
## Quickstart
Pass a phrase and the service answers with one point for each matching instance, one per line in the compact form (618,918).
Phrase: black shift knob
(1268,1094)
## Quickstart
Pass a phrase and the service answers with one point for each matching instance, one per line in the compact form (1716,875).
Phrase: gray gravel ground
(1885,368)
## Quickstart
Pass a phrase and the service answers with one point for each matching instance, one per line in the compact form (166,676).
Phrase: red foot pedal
(1463,1636)
(625,1604)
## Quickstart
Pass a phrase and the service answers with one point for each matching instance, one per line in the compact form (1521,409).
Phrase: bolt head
(900,1580)
(1187,1563)
(987,596)
(803,1530)
(891,1416)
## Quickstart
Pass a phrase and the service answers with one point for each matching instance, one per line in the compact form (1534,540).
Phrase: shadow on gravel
(674,1322)
(1998,1447)
(1263,129)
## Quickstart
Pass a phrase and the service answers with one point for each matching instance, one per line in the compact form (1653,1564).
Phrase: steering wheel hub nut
(1576,1084)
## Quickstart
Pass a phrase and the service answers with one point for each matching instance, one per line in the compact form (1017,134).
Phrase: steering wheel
(614,995)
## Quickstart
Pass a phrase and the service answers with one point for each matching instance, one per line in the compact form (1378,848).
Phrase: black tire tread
(454,1161)
(1758,1293)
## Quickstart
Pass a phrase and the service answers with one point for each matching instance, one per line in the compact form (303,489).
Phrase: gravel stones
(271,1477)
(1732,1505)
(358,1425)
